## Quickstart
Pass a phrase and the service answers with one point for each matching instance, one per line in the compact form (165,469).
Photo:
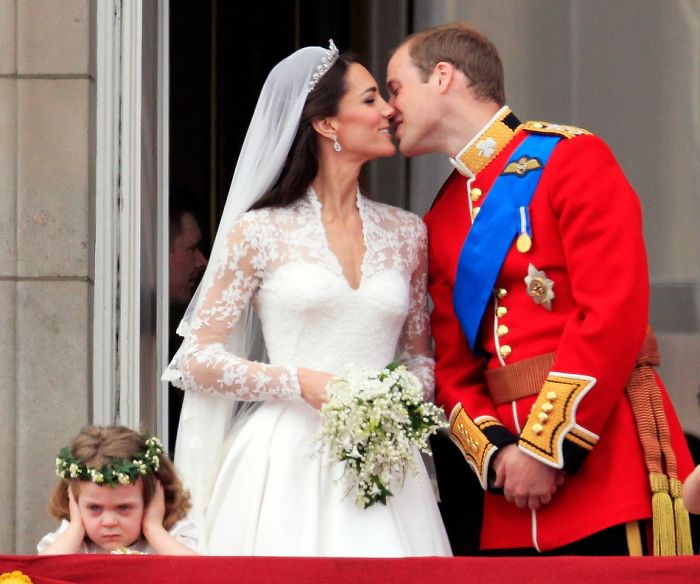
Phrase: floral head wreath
(329,58)
(119,472)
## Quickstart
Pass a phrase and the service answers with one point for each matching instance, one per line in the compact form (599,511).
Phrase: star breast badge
(539,287)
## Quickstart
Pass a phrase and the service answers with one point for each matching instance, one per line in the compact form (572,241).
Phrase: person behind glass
(331,278)
(186,263)
(538,274)
(118,493)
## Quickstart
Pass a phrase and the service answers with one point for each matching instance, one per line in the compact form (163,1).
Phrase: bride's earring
(336,144)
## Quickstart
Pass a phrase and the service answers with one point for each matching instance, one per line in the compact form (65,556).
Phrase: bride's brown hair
(96,446)
(301,165)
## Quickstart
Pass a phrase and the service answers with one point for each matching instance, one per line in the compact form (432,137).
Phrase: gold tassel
(662,515)
(684,541)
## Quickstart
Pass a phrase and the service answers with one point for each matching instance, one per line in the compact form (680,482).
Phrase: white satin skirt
(276,495)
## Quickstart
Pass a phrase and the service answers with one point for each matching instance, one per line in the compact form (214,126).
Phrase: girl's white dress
(274,493)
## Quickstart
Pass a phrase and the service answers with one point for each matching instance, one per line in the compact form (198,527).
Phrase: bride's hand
(313,386)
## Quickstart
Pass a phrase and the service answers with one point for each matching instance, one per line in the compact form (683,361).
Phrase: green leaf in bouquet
(381,497)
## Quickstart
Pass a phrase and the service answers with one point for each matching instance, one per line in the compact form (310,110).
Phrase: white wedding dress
(275,494)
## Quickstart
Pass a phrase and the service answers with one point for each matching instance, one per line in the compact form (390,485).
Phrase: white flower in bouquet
(373,422)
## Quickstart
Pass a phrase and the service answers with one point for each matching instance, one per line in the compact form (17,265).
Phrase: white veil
(206,420)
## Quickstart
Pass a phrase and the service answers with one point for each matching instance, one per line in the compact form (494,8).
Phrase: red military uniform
(586,316)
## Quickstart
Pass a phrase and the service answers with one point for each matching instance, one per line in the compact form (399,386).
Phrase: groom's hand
(527,482)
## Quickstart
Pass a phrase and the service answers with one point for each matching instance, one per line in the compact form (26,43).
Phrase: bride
(306,277)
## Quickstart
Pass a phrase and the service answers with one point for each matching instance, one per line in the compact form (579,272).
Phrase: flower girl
(118,493)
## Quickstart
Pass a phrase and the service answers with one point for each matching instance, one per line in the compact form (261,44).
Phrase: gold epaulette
(469,436)
(559,129)
(553,419)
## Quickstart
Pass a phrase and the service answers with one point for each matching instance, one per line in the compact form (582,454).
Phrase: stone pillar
(8,272)
(47,88)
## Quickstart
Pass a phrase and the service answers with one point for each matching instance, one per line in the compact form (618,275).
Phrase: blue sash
(495,228)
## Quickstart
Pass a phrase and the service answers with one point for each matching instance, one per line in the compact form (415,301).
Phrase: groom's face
(412,98)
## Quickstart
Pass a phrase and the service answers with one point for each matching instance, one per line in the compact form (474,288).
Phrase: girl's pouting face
(112,515)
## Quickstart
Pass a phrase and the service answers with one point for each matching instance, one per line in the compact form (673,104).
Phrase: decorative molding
(117,302)
(130,216)
(163,169)
(105,329)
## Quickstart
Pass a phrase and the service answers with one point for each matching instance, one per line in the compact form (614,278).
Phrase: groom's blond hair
(467,49)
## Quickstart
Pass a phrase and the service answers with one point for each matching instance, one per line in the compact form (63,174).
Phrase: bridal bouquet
(372,422)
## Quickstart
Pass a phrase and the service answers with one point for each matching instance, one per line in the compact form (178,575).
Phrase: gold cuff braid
(471,440)
(553,419)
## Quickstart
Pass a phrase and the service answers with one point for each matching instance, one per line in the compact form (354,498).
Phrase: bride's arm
(415,349)
(204,362)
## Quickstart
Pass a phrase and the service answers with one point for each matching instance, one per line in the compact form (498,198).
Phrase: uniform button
(475,212)
(501,293)
(551,395)
(547,407)
(476,194)
(501,311)
(538,125)
(542,417)
(502,330)
(505,351)
(537,428)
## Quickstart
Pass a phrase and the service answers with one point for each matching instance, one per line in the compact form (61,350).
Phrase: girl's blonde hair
(96,446)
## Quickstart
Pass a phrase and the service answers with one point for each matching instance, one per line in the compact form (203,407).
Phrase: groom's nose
(388,110)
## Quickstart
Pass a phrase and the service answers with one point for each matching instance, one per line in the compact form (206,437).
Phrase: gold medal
(524,243)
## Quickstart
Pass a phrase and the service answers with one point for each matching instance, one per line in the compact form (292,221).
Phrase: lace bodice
(279,261)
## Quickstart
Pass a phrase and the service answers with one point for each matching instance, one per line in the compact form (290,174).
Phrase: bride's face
(363,119)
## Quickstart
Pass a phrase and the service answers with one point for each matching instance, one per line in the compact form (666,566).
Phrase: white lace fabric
(278,260)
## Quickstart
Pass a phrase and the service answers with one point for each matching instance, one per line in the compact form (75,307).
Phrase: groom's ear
(327,127)
(443,75)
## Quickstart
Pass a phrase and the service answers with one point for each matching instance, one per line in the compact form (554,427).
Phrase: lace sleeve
(415,350)
(205,363)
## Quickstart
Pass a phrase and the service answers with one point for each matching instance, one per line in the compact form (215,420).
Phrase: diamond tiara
(326,63)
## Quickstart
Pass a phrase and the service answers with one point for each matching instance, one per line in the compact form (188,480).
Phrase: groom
(539,279)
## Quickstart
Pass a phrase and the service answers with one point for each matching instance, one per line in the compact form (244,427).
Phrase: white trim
(518,428)
(588,433)
(496,338)
(535,543)
(104,342)
(130,226)
(163,243)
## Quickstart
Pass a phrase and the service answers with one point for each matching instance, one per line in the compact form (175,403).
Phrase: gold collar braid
(487,144)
